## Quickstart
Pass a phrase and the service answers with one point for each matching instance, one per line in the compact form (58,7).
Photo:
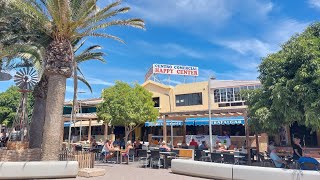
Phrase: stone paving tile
(133,172)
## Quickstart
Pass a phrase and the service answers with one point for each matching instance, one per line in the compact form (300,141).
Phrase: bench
(38,169)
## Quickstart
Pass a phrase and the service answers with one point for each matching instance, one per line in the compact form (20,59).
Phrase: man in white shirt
(278,162)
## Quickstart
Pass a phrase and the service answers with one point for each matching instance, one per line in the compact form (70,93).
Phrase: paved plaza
(133,172)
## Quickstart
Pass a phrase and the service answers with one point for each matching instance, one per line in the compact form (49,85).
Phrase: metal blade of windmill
(18,81)
(34,79)
(19,73)
(33,83)
(24,71)
(33,72)
(28,70)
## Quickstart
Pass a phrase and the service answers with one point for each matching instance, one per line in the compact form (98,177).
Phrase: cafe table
(117,151)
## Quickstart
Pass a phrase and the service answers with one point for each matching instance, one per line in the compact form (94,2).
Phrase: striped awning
(233,120)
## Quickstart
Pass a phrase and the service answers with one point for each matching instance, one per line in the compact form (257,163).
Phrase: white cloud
(69,89)
(249,46)
(97,81)
(228,75)
(169,50)
(195,13)
(314,3)
(182,11)
(170,81)
(284,29)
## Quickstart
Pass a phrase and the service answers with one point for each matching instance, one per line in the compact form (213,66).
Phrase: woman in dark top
(297,149)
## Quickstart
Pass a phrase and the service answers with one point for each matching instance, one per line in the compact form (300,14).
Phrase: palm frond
(136,23)
(90,56)
(84,81)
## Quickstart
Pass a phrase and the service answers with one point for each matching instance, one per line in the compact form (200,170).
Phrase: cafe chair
(228,159)
(216,157)
(264,160)
(155,159)
(143,158)
(201,156)
(131,154)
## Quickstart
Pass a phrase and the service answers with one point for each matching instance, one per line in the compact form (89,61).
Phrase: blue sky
(225,38)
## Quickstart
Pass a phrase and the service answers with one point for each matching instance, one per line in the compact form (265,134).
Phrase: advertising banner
(175,69)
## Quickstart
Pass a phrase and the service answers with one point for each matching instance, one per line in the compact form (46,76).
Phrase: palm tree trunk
(54,120)
(58,67)
(38,113)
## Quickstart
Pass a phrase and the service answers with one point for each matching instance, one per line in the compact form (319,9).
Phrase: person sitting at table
(155,141)
(278,162)
(203,146)
(297,149)
(137,146)
(117,142)
(164,146)
(184,145)
(94,144)
(125,153)
(193,143)
(221,147)
(107,148)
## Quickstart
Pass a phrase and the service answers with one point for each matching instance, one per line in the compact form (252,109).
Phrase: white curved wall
(238,172)
(38,169)
(201,169)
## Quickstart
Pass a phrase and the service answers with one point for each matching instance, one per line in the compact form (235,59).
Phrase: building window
(216,96)
(189,99)
(237,96)
(223,95)
(230,94)
(156,101)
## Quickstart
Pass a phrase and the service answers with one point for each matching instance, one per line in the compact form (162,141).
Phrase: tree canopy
(127,106)
(290,81)
(9,102)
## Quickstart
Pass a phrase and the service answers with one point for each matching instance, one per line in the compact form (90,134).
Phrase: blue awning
(159,122)
(66,124)
(218,120)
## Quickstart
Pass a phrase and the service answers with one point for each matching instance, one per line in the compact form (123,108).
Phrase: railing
(84,158)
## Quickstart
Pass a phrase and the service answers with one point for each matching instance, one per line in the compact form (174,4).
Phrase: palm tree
(30,50)
(66,21)
(32,56)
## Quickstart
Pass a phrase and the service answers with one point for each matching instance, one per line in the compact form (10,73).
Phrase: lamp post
(171,126)
(209,107)
(80,110)
(73,118)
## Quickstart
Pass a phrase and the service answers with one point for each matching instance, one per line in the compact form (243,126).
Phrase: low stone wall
(20,155)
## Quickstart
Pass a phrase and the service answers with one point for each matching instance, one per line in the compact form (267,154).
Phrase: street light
(171,126)
(209,107)
(80,111)
(73,119)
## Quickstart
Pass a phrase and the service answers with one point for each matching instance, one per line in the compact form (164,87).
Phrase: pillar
(247,137)
(288,135)
(318,138)
(106,127)
(184,130)
(89,132)
(164,128)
